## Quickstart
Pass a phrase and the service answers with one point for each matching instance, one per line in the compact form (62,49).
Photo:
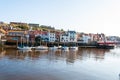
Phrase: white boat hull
(59,47)
(41,48)
(24,48)
(65,48)
(73,48)
(53,48)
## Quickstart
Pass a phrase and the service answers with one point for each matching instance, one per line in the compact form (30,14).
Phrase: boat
(41,48)
(65,48)
(59,47)
(73,48)
(53,48)
(24,48)
(105,45)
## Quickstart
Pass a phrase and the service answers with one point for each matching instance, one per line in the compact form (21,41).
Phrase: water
(85,64)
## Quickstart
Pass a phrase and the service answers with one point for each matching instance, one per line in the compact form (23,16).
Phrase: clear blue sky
(94,16)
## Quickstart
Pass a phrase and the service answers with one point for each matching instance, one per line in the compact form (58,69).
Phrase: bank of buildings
(54,36)
(51,35)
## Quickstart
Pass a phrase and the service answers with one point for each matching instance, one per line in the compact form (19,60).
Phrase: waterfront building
(72,36)
(113,38)
(47,36)
(51,36)
(79,38)
(69,36)
(57,35)
(86,38)
(64,37)
(83,38)
(44,36)
(16,36)
(99,37)
(32,35)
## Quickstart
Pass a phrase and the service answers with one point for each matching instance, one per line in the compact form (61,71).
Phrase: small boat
(24,48)
(53,48)
(73,48)
(65,48)
(59,47)
(41,48)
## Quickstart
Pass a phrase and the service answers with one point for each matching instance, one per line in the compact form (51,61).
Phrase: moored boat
(65,48)
(41,48)
(105,45)
(24,48)
(59,47)
(53,48)
(73,48)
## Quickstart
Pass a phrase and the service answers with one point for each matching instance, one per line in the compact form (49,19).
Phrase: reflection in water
(97,54)
(2,54)
(87,64)
(70,56)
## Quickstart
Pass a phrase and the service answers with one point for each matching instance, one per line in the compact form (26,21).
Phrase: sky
(89,16)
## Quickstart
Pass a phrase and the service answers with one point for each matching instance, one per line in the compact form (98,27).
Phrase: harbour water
(84,64)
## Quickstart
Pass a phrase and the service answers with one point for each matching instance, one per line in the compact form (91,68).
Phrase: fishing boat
(105,45)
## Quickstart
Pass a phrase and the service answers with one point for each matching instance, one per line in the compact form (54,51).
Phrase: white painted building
(69,36)
(51,37)
(64,37)
(72,36)
(48,36)
(86,38)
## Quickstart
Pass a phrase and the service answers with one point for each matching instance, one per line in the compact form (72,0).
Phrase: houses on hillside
(49,35)
(54,36)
